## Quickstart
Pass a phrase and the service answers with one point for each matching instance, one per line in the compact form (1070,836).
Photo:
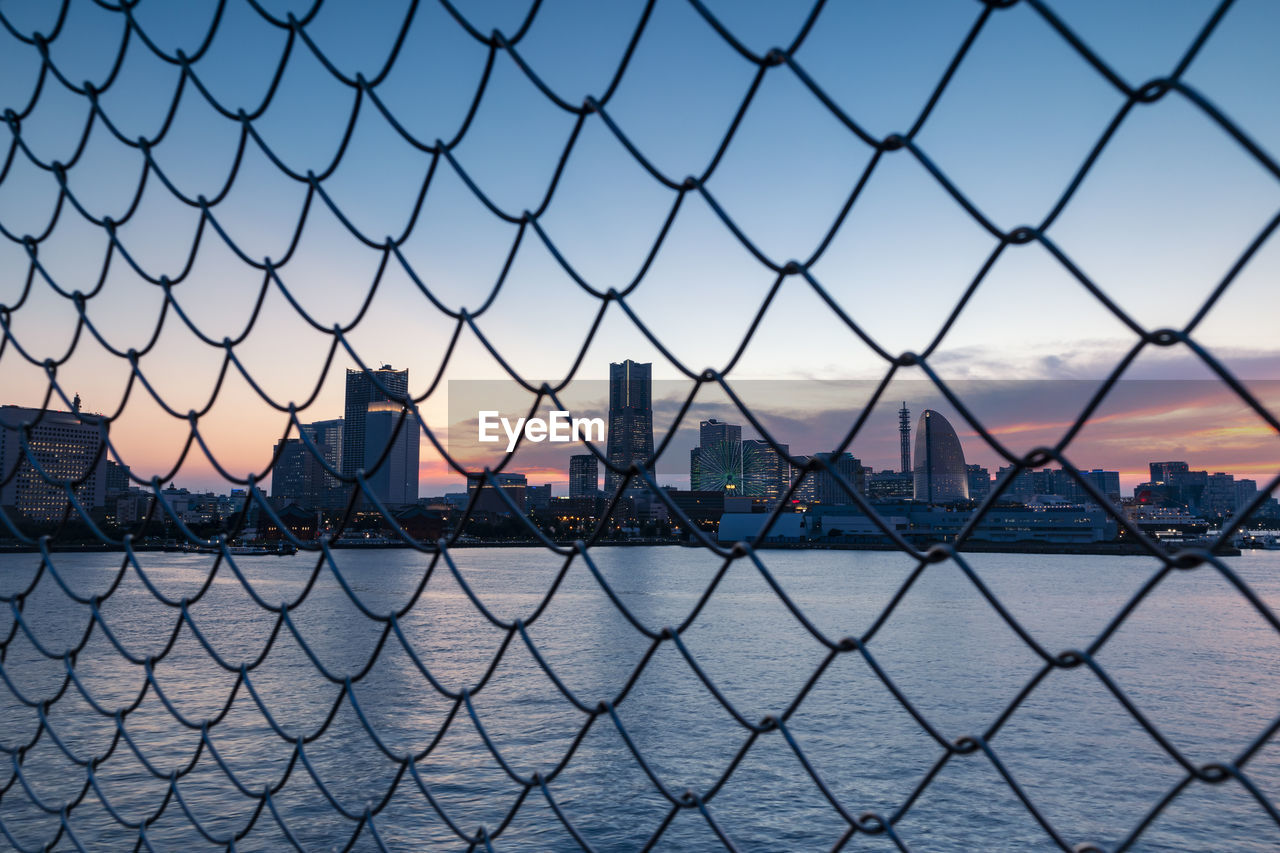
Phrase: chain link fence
(41,705)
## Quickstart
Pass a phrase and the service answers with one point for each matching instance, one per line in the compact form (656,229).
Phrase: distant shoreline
(973,546)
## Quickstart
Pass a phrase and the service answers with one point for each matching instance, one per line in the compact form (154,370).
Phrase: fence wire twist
(793,273)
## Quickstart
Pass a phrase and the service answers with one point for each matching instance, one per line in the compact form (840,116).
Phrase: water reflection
(1195,659)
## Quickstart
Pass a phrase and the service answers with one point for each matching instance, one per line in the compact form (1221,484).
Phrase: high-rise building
(294,471)
(537,498)
(904,437)
(630,417)
(828,489)
(979,482)
(715,465)
(391,453)
(940,472)
(66,448)
(1166,472)
(1021,490)
(117,478)
(327,491)
(807,490)
(765,472)
(1189,488)
(361,391)
(299,474)
(1246,490)
(1219,497)
(584,475)
(1107,482)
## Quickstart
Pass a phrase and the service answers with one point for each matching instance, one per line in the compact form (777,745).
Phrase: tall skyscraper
(327,490)
(1167,472)
(630,417)
(298,474)
(65,447)
(904,437)
(294,471)
(584,475)
(765,473)
(828,490)
(360,393)
(1107,482)
(940,472)
(395,479)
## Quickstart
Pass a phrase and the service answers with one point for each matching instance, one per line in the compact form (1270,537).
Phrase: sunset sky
(1170,205)
(1140,421)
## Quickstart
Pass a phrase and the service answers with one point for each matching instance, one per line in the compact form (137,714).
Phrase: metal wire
(364,95)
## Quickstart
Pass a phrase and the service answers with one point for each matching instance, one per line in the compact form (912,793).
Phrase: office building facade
(940,472)
(828,489)
(66,448)
(979,479)
(765,472)
(584,475)
(327,491)
(630,418)
(391,450)
(361,391)
(513,486)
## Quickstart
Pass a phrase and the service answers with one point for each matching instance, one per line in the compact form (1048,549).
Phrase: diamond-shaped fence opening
(523,699)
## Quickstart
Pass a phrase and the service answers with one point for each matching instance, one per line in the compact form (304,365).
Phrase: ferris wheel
(717,467)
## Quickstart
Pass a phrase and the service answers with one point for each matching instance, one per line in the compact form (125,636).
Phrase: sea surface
(1195,658)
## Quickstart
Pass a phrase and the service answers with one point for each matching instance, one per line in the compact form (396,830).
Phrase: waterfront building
(537,498)
(581,509)
(702,507)
(807,491)
(890,485)
(789,527)
(922,525)
(513,486)
(765,472)
(116,478)
(584,475)
(1057,482)
(904,439)
(293,472)
(326,490)
(1107,482)
(1021,490)
(1246,491)
(1165,472)
(630,418)
(391,449)
(828,489)
(361,391)
(1219,498)
(940,472)
(979,482)
(66,447)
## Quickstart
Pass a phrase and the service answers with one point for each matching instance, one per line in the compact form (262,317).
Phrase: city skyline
(1184,196)
(917,342)
(1175,419)
(1123,440)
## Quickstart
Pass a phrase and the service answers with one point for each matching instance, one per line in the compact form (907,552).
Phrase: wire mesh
(793,273)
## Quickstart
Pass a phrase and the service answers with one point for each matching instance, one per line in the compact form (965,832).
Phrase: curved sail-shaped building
(940,475)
